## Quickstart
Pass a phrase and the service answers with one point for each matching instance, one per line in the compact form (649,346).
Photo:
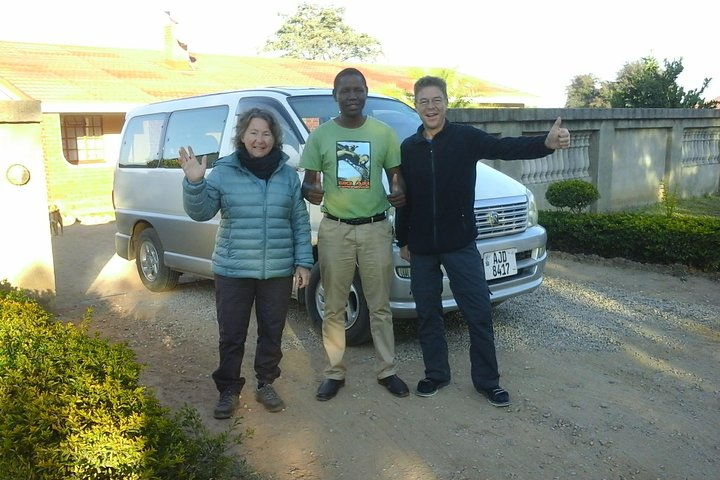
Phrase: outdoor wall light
(18,174)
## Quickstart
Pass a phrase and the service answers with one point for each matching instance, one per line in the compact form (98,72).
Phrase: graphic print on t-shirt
(353,164)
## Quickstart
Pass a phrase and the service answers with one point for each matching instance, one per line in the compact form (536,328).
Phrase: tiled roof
(67,74)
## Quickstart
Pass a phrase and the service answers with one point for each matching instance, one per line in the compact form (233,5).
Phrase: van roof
(281,90)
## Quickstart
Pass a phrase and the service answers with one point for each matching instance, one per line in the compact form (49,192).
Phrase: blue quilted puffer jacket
(264,230)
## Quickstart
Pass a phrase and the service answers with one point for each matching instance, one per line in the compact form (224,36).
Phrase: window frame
(82,139)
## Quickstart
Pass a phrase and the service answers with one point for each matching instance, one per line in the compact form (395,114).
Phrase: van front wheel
(357,316)
(150,262)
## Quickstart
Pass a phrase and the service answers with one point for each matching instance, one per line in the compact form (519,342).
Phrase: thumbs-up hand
(312,187)
(397,188)
(558,137)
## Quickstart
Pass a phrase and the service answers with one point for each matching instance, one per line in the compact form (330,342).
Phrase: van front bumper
(531,258)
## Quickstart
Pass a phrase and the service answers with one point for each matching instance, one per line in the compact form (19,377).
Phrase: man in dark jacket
(437,228)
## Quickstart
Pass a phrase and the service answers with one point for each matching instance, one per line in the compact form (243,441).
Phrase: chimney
(176,53)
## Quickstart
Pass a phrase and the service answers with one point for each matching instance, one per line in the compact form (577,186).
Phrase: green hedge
(658,239)
(71,407)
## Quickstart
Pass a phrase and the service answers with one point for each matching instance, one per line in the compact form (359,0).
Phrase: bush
(575,195)
(71,408)
(659,239)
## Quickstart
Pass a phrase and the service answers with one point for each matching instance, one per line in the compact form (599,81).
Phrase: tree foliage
(317,33)
(583,92)
(639,84)
(645,84)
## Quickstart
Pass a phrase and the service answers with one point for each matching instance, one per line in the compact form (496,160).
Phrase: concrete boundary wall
(626,153)
(26,259)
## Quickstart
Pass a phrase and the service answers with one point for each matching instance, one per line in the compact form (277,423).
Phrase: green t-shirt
(352,161)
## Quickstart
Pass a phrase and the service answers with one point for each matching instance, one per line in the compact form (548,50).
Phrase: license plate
(500,263)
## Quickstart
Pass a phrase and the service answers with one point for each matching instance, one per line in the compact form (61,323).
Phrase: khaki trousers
(341,247)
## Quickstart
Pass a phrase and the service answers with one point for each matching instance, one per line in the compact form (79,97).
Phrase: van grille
(500,220)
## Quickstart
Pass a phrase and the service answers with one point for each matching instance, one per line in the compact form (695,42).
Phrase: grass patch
(705,206)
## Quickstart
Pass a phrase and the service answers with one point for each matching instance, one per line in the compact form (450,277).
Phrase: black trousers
(465,270)
(234,299)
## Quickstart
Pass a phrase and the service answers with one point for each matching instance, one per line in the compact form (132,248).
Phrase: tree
(645,84)
(583,92)
(640,84)
(316,33)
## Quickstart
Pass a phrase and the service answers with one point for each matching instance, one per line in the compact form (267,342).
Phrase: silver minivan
(153,229)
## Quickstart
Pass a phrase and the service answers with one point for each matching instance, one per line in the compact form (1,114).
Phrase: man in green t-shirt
(350,152)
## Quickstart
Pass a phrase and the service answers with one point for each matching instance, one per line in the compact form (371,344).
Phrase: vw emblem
(493,219)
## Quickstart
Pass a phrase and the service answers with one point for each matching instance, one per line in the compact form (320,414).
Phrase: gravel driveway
(612,368)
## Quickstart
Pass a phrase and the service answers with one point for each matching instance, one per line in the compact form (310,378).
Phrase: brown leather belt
(357,221)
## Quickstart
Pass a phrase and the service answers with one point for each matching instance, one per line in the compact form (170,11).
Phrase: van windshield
(316,109)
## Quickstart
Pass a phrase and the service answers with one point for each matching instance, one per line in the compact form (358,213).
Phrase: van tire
(357,316)
(150,262)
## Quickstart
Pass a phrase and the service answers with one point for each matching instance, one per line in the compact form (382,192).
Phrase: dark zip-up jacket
(440,183)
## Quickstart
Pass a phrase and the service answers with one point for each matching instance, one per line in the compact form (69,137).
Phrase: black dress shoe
(328,389)
(395,385)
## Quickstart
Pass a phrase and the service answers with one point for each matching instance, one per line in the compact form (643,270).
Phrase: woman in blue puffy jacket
(262,244)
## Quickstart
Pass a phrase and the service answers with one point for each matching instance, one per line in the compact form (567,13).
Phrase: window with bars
(82,138)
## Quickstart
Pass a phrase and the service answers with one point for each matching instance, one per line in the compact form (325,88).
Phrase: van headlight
(532,209)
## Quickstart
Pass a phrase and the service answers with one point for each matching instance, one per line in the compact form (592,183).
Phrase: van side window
(200,128)
(141,142)
(314,110)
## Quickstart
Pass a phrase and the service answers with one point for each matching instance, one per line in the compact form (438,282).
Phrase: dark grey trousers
(465,270)
(234,299)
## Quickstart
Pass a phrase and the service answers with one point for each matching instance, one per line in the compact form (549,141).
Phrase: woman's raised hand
(194,170)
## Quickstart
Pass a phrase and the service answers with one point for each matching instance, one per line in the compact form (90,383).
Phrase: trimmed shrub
(658,239)
(575,195)
(71,407)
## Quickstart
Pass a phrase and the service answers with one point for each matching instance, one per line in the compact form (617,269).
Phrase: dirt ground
(648,408)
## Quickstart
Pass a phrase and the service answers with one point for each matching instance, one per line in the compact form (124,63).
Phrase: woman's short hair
(244,122)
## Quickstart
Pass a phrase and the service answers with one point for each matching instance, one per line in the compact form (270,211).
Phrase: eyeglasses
(436,102)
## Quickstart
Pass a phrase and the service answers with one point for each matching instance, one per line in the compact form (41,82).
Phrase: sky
(533,46)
